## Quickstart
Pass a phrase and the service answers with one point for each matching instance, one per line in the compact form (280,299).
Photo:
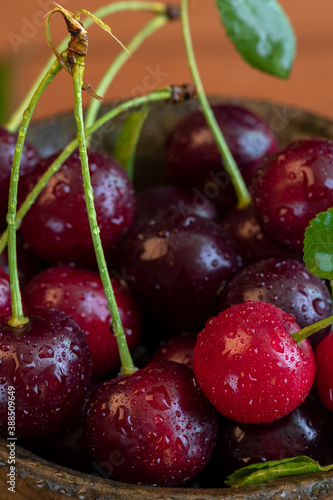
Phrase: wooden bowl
(37,478)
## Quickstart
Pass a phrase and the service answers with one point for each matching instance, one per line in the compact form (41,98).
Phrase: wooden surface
(161,60)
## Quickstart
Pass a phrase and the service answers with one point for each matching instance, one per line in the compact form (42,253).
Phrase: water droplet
(45,352)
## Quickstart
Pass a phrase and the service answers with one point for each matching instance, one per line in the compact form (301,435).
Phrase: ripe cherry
(287,284)
(193,159)
(59,214)
(153,427)
(177,265)
(29,158)
(292,187)
(79,293)
(324,370)
(178,348)
(48,363)
(249,366)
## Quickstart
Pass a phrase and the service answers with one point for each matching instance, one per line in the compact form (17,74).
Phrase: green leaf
(318,245)
(263,472)
(125,147)
(261,32)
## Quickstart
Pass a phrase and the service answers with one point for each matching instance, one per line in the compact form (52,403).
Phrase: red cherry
(79,293)
(59,215)
(47,362)
(324,370)
(154,426)
(249,366)
(292,187)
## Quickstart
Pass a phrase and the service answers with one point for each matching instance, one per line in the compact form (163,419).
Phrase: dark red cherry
(285,283)
(177,265)
(79,293)
(291,187)
(249,239)
(153,427)
(305,431)
(178,348)
(324,371)
(29,158)
(152,201)
(5,296)
(193,159)
(46,365)
(59,215)
(249,366)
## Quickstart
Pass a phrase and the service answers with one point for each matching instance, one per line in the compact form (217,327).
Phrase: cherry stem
(309,330)
(154,7)
(18,318)
(152,26)
(230,165)
(125,356)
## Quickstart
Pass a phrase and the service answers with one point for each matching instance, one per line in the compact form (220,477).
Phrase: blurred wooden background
(23,49)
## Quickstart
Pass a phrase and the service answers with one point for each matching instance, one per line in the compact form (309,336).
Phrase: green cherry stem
(162,94)
(154,7)
(230,165)
(309,330)
(158,22)
(18,318)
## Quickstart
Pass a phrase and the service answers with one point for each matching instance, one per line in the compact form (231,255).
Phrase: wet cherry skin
(48,362)
(178,348)
(79,294)
(193,159)
(248,365)
(5,297)
(285,283)
(291,187)
(29,158)
(177,265)
(324,370)
(248,238)
(156,199)
(305,431)
(153,427)
(59,215)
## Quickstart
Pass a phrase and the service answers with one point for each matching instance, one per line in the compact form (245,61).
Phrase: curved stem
(125,356)
(133,45)
(155,7)
(18,318)
(230,165)
(309,330)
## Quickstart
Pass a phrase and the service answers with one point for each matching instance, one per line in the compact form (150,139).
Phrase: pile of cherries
(208,295)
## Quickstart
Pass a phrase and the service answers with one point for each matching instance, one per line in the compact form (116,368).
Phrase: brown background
(223,71)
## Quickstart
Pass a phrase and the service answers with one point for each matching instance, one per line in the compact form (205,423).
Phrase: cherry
(249,366)
(5,296)
(292,187)
(156,199)
(249,239)
(324,371)
(193,159)
(59,214)
(178,348)
(153,427)
(79,294)
(177,265)
(305,431)
(30,157)
(48,363)
(287,284)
